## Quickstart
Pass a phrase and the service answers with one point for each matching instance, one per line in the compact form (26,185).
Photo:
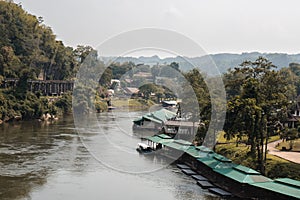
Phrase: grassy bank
(275,167)
(132,104)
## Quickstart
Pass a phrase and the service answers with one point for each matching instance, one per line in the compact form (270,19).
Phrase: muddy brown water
(41,161)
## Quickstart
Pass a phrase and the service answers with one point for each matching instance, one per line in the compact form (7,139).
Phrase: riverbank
(132,104)
(276,167)
(30,106)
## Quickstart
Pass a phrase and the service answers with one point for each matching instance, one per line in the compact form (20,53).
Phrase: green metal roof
(183,142)
(242,177)
(152,119)
(204,149)
(221,158)
(288,181)
(193,151)
(211,161)
(162,115)
(138,119)
(164,136)
(207,158)
(224,166)
(215,164)
(279,187)
(159,116)
(158,139)
(154,139)
(177,146)
(245,170)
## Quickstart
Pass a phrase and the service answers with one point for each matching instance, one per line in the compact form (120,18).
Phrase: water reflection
(30,151)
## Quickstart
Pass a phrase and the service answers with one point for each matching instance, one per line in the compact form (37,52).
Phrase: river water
(46,161)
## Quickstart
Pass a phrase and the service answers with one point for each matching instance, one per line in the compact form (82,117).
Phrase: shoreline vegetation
(132,104)
(275,167)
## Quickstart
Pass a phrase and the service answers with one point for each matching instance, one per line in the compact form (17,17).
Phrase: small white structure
(111,92)
(169,103)
(115,84)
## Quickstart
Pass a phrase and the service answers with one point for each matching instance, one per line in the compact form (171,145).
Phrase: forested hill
(28,44)
(223,61)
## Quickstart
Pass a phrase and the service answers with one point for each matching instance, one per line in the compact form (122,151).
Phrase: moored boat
(144,148)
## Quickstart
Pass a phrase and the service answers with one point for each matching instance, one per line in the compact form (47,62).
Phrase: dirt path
(290,156)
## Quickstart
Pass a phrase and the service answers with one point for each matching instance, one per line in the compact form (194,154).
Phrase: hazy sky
(232,26)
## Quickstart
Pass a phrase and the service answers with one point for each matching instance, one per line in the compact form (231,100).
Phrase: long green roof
(221,158)
(224,166)
(177,146)
(193,151)
(242,177)
(204,149)
(216,161)
(183,142)
(279,187)
(288,181)
(245,170)
(164,136)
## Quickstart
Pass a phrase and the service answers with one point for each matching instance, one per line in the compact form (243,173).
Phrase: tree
(196,80)
(22,84)
(255,104)
(10,64)
(27,48)
(290,135)
(147,89)
(106,77)
(81,52)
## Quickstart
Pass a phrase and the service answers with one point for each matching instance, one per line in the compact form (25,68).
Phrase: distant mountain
(223,61)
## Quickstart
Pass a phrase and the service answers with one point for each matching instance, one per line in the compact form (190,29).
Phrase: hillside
(27,43)
(223,61)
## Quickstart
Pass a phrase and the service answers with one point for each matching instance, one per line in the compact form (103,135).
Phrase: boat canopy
(144,146)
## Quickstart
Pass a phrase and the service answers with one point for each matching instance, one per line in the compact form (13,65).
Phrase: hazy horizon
(230,26)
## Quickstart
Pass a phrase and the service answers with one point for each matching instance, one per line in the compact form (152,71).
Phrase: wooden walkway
(45,87)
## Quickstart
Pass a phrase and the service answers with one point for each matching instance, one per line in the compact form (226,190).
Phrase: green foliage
(100,106)
(147,89)
(196,81)
(28,108)
(106,77)
(118,70)
(275,167)
(257,99)
(65,103)
(27,43)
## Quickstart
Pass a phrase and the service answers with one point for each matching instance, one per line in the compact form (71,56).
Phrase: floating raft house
(237,179)
(157,117)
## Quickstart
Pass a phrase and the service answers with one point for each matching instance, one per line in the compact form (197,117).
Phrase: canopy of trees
(257,99)
(29,48)
(26,42)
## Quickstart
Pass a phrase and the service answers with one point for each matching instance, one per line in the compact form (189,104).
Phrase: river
(46,161)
